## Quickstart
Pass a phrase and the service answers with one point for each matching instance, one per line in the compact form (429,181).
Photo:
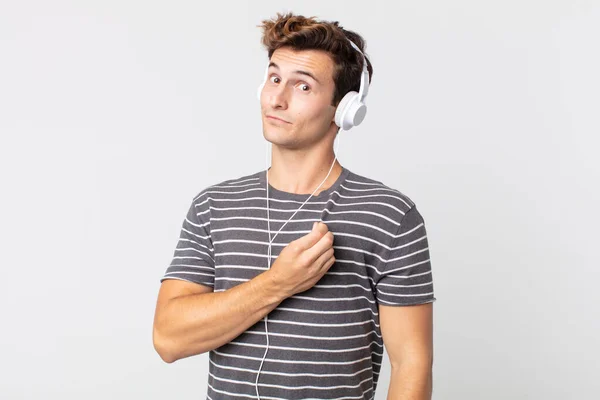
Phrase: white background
(114,114)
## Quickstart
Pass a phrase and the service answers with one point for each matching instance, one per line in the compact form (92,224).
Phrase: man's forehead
(316,62)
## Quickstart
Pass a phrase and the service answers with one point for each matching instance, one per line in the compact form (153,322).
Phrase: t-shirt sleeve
(193,258)
(405,276)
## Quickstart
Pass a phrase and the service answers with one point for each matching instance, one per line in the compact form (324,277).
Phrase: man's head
(311,67)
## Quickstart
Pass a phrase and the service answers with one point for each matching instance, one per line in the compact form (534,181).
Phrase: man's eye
(305,85)
(275,78)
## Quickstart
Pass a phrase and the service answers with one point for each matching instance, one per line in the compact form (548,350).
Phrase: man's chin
(280,139)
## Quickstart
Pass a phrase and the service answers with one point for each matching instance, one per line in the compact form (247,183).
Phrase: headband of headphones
(364,78)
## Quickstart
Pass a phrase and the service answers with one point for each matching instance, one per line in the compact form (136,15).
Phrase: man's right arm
(190,319)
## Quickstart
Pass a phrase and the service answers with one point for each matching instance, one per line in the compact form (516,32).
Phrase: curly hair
(302,33)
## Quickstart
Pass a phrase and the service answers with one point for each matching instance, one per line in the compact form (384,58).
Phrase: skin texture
(407,333)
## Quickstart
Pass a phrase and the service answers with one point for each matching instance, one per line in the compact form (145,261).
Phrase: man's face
(298,90)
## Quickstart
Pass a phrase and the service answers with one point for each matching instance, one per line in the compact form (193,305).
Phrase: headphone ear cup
(358,112)
(341,112)
(259,91)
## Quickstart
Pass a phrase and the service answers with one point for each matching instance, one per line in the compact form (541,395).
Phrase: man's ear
(337,128)
(334,109)
(334,104)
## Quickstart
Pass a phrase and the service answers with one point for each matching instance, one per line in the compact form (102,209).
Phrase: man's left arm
(407,333)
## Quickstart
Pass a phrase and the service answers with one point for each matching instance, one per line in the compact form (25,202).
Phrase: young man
(334,291)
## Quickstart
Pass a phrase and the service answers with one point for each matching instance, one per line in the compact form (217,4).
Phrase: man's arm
(191,319)
(407,333)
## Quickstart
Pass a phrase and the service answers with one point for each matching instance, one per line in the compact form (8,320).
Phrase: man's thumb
(309,240)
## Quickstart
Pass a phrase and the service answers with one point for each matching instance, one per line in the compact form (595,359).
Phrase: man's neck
(303,177)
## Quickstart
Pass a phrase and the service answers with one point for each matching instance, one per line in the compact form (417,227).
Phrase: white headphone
(352,109)
(350,112)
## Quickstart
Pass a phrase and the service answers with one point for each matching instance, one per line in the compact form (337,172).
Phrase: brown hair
(302,33)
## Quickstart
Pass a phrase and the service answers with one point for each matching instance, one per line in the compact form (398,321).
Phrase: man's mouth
(277,119)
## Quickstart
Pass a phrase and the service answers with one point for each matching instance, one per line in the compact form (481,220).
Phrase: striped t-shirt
(325,342)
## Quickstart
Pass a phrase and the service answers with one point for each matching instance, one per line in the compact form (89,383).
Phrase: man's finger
(309,240)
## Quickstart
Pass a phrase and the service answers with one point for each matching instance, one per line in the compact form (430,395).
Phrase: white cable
(271,239)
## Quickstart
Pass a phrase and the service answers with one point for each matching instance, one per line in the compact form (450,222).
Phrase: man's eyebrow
(272,64)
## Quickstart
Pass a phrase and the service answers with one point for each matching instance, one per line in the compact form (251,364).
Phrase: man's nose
(278,97)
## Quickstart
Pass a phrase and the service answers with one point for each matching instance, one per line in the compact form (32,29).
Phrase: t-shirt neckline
(280,194)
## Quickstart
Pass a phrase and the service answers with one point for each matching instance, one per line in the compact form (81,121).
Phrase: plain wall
(114,114)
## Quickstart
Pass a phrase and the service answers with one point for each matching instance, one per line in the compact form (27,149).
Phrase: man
(334,291)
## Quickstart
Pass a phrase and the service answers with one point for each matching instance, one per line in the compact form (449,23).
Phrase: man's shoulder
(228,185)
(386,193)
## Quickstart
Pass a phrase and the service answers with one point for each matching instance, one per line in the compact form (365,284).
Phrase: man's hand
(304,261)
